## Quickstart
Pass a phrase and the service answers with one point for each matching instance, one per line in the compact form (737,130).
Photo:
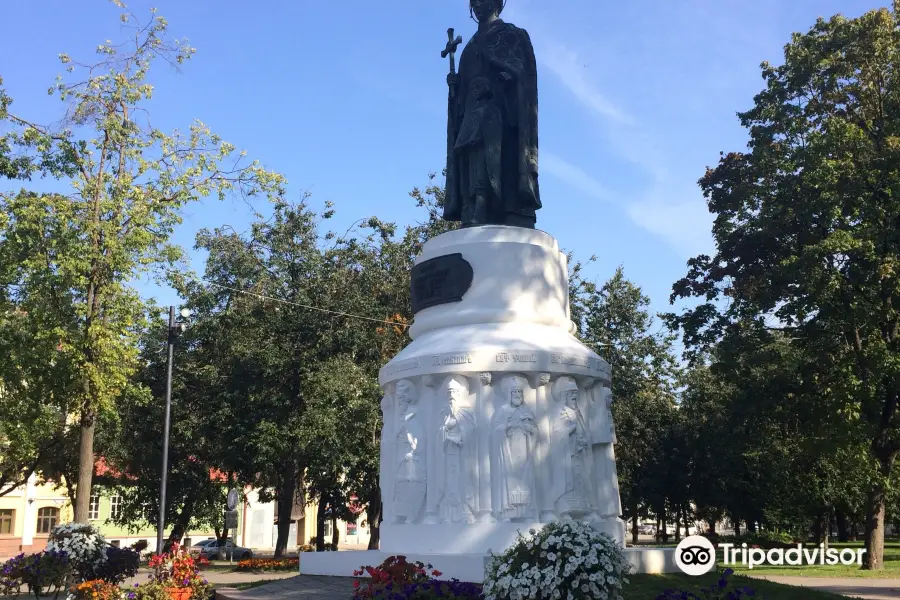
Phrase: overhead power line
(335,313)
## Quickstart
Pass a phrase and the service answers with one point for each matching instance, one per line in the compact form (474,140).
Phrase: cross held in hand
(450,49)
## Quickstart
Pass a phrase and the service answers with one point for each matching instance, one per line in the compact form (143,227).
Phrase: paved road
(855,587)
(299,587)
(219,578)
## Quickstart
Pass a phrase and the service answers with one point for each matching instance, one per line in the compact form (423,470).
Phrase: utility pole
(160,529)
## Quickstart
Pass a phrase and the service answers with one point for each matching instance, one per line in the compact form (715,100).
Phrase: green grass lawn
(648,587)
(891,565)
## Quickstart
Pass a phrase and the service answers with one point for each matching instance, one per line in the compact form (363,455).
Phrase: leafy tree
(617,325)
(11,166)
(198,448)
(130,181)
(806,226)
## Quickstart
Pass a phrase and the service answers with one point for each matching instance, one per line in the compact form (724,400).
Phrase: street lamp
(174,330)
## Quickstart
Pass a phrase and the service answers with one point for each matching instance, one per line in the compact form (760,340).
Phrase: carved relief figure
(603,437)
(409,492)
(456,436)
(570,453)
(514,431)
(385,479)
(492,140)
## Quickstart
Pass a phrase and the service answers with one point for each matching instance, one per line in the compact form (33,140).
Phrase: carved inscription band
(508,359)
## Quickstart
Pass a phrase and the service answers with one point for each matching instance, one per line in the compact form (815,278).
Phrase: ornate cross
(450,49)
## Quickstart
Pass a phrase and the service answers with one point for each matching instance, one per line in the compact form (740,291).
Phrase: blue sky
(348,101)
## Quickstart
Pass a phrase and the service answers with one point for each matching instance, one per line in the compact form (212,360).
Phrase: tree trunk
(373,515)
(821,528)
(180,526)
(634,529)
(665,525)
(751,526)
(320,526)
(677,524)
(737,528)
(85,467)
(286,496)
(873,559)
(843,526)
(335,534)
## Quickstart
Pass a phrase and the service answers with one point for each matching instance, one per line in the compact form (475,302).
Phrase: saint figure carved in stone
(514,444)
(603,437)
(385,475)
(492,130)
(409,490)
(570,453)
(457,439)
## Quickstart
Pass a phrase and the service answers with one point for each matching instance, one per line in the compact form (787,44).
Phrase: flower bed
(565,560)
(269,564)
(95,589)
(177,573)
(84,546)
(398,579)
(42,574)
(721,590)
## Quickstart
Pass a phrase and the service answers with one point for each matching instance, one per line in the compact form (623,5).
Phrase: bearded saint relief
(603,438)
(409,492)
(513,444)
(570,453)
(458,488)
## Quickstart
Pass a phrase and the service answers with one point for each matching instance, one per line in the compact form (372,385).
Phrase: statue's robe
(492,128)
(514,433)
(603,439)
(571,483)
(458,482)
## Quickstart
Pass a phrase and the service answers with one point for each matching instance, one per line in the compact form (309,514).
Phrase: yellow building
(27,514)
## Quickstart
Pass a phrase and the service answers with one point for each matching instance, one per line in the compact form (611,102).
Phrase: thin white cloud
(573,176)
(682,219)
(569,67)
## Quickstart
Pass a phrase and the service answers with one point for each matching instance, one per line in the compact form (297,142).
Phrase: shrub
(41,574)
(566,559)
(120,564)
(762,539)
(721,590)
(426,590)
(84,546)
(269,564)
(95,589)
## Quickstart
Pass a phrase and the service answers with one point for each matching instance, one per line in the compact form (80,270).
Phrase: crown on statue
(502,6)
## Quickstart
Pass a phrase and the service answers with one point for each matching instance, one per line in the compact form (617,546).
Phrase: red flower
(436,573)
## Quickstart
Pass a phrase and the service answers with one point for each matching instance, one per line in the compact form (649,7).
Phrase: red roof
(103,469)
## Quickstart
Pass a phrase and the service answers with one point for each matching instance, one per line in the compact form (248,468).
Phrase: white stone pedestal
(496,418)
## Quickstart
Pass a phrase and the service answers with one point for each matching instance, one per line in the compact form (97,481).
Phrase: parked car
(212,551)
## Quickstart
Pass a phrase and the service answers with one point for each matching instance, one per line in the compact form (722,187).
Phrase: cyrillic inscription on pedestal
(439,280)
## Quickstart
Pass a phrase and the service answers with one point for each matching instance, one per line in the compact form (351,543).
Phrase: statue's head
(405,393)
(567,391)
(484,10)
(455,390)
(516,390)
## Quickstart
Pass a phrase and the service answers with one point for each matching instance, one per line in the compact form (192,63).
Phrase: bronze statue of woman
(492,162)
